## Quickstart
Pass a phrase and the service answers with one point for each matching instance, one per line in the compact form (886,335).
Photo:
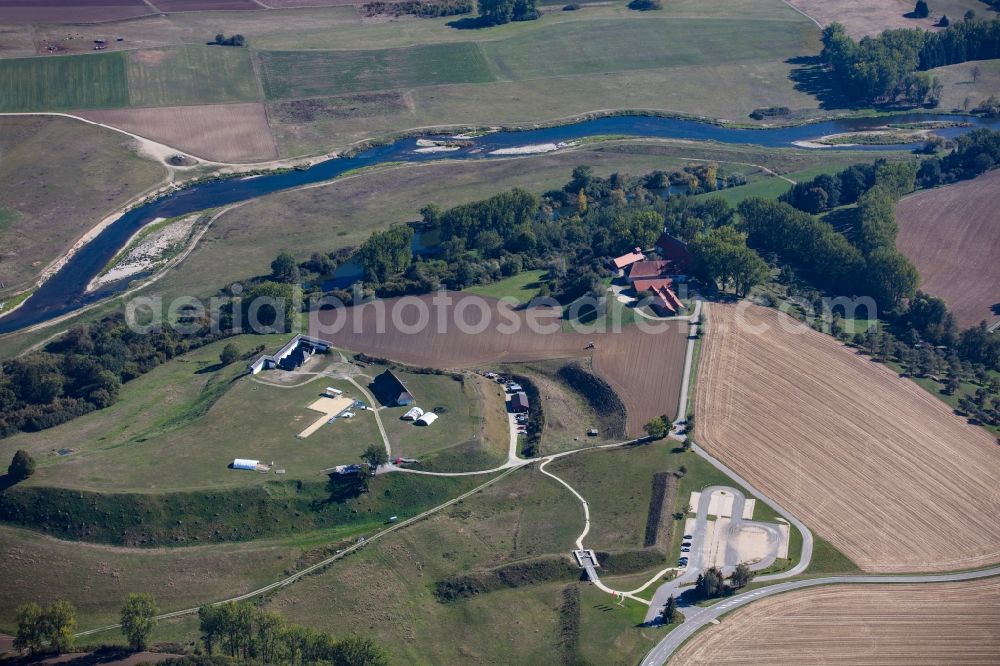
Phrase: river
(65,291)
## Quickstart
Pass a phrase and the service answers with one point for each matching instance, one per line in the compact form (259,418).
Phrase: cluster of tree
(386,253)
(569,232)
(989,107)
(251,634)
(658,427)
(45,629)
(721,257)
(890,68)
(828,191)
(497,12)
(975,153)
(712,583)
(83,370)
(235,40)
(421,8)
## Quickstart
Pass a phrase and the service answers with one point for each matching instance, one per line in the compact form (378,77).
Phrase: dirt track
(909,625)
(870,461)
(217,132)
(644,368)
(952,235)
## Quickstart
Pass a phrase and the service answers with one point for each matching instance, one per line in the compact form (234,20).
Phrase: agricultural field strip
(828,400)
(698,617)
(297,74)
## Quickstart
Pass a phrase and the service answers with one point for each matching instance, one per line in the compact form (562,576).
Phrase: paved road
(695,617)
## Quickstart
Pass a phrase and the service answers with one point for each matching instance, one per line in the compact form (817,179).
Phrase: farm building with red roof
(664,301)
(649,270)
(626,260)
(675,251)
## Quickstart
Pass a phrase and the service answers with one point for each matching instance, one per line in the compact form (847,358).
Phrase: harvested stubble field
(873,463)
(952,235)
(904,625)
(643,368)
(66,11)
(218,132)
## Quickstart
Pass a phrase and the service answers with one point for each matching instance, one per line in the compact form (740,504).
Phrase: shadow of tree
(469,23)
(342,488)
(811,77)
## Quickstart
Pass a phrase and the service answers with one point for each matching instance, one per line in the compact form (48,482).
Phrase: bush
(517,574)
(645,5)
(21,466)
(760,114)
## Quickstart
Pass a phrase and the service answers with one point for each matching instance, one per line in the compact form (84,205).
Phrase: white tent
(414,413)
(242,463)
(427,419)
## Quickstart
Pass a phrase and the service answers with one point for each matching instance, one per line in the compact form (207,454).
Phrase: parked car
(688,537)
(685,550)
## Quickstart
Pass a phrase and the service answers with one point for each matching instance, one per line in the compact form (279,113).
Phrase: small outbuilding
(243,463)
(427,419)
(391,391)
(414,414)
(519,402)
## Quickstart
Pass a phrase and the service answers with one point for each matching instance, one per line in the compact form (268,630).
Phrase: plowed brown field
(904,625)
(870,461)
(644,368)
(219,132)
(952,235)
(68,11)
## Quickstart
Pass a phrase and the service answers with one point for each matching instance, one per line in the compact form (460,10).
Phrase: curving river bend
(65,291)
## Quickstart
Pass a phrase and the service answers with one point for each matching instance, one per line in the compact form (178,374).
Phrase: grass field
(191,75)
(848,624)
(58,178)
(897,483)
(523,287)
(471,431)
(289,74)
(951,234)
(386,591)
(181,425)
(61,83)
(101,576)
